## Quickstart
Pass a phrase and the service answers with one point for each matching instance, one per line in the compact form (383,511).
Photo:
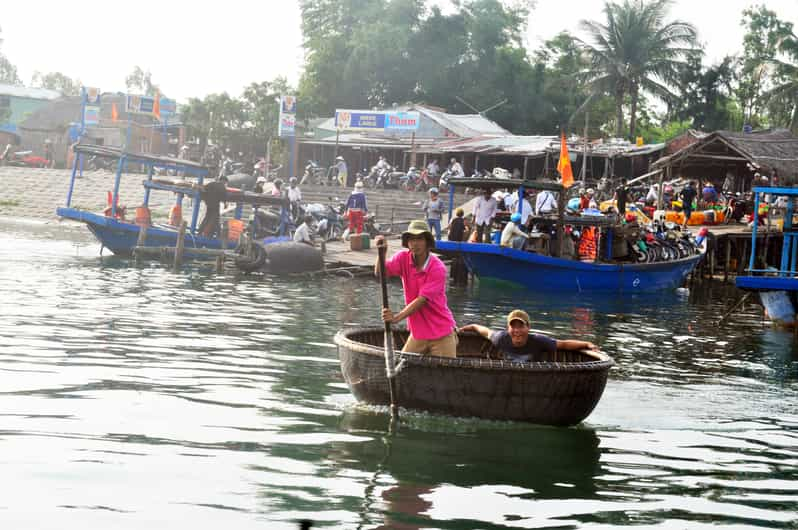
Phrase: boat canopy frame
(789,253)
(185,167)
(608,223)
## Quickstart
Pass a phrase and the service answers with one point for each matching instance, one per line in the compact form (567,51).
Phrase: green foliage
(653,133)
(374,53)
(633,50)
(706,95)
(57,81)
(243,124)
(141,82)
(8,72)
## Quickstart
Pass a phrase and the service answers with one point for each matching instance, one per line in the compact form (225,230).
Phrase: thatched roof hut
(715,155)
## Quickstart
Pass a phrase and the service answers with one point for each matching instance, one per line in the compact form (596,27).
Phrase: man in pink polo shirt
(431,324)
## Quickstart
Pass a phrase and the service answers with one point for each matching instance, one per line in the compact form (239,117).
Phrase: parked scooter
(100,163)
(412,180)
(329,218)
(314,173)
(736,208)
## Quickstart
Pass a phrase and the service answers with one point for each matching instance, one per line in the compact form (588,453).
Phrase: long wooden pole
(390,369)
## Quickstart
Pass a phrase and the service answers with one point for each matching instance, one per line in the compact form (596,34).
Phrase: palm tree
(786,91)
(634,50)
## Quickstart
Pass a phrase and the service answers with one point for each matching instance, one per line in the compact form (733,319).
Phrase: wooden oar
(390,370)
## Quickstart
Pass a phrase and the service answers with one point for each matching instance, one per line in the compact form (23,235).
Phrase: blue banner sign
(355,120)
(361,120)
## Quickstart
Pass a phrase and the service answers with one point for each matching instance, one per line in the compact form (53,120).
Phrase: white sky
(197,48)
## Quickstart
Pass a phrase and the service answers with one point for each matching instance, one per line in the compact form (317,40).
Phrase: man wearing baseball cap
(517,344)
(431,324)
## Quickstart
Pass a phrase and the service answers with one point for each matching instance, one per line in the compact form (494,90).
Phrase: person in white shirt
(591,195)
(294,197)
(545,203)
(512,236)
(433,169)
(484,211)
(382,163)
(511,201)
(456,168)
(303,233)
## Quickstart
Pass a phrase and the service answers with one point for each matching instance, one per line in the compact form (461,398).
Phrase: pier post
(220,257)
(141,241)
(728,260)
(181,242)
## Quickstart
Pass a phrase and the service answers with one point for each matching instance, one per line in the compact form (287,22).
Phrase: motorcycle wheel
(335,233)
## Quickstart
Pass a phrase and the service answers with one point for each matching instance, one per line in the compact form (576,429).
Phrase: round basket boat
(562,390)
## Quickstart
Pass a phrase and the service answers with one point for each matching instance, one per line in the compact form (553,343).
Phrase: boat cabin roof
(506,183)
(790,192)
(142,158)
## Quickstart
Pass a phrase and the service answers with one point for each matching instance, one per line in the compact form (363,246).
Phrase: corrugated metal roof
(463,125)
(28,92)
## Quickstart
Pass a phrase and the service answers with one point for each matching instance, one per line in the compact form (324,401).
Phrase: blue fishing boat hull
(539,272)
(122,237)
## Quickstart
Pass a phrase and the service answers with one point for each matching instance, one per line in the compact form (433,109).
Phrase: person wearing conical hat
(429,319)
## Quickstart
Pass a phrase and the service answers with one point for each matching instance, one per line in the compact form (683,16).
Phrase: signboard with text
(402,121)
(359,120)
(91,115)
(287,124)
(139,104)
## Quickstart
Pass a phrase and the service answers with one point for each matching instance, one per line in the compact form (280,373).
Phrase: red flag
(564,165)
(114,113)
(156,106)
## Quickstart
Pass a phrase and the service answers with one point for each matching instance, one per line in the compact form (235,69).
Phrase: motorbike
(328,218)
(371,226)
(735,210)
(443,183)
(25,159)
(314,173)
(228,167)
(412,180)
(99,162)
(259,168)
(376,176)
(389,178)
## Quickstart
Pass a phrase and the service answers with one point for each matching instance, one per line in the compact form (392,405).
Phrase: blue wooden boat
(777,288)
(551,273)
(539,272)
(121,236)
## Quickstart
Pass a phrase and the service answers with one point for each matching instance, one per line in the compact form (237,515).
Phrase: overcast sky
(195,48)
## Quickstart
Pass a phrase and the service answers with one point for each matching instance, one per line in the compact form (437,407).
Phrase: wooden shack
(731,158)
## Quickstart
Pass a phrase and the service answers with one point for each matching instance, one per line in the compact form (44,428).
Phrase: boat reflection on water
(430,454)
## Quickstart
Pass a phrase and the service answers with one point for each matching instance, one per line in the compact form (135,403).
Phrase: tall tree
(783,96)
(57,81)
(706,95)
(141,81)
(8,72)
(636,50)
(763,41)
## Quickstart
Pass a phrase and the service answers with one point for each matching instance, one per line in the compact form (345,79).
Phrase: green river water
(137,397)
